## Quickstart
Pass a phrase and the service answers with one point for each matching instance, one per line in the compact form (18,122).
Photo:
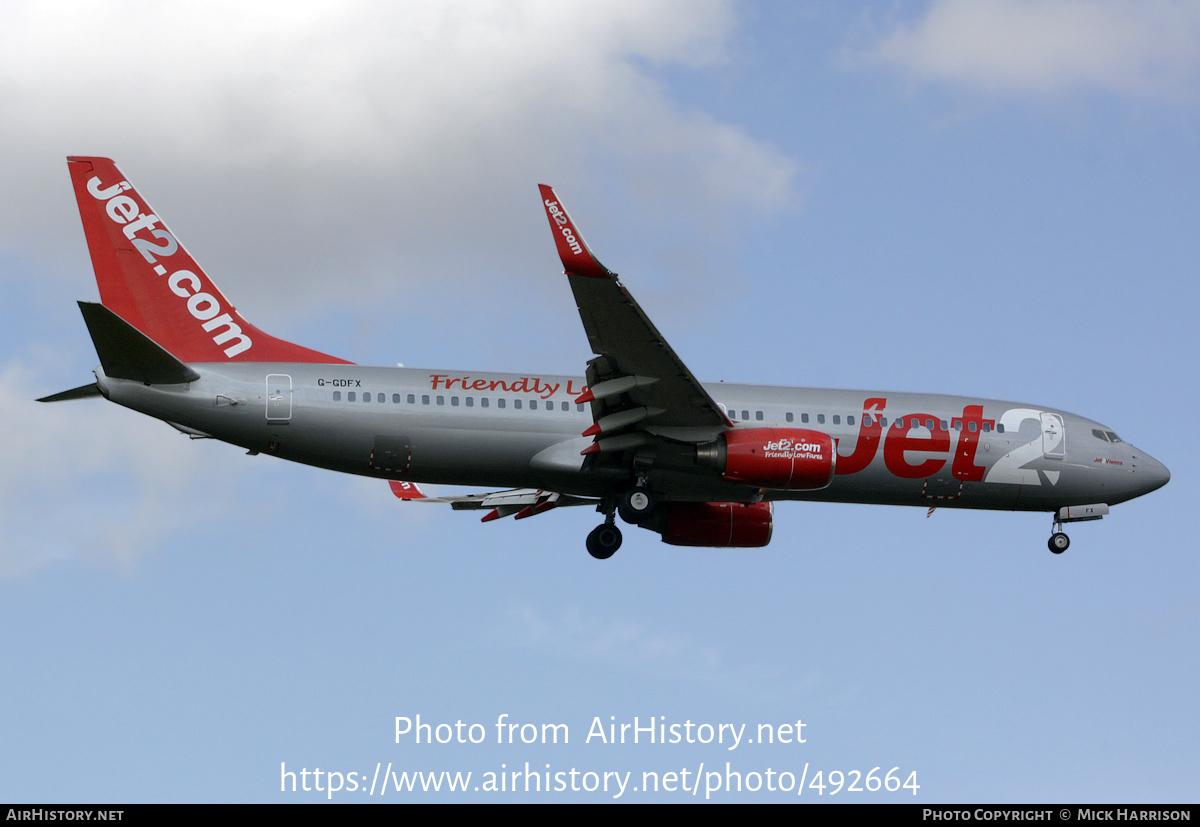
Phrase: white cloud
(379,129)
(86,480)
(322,154)
(1130,47)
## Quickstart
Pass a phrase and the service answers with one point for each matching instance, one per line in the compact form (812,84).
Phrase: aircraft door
(279,397)
(1054,441)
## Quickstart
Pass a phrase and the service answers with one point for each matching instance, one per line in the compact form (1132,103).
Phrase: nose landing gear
(1058,542)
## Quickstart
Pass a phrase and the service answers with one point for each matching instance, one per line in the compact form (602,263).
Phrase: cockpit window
(1099,434)
(1113,437)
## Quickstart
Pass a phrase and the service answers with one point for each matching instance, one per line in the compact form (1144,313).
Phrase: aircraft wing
(637,385)
(523,502)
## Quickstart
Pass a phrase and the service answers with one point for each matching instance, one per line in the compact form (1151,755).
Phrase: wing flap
(523,502)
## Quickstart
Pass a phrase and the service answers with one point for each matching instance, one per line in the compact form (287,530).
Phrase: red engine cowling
(795,459)
(717,525)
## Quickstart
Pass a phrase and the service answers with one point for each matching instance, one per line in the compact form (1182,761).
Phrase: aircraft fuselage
(490,429)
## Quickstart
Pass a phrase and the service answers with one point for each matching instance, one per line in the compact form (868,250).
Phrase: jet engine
(793,459)
(716,525)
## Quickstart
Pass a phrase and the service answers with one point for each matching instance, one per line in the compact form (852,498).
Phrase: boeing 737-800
(637,435)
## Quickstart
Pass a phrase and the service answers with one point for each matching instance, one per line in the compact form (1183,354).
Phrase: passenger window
(579,408)
(441,400)
(517,404)
(381,397)
(337,397)
(533,404)
(424,399)
(837,419)
(788,416)
(500,402)
(470,402)
(758,415)
(1000,428)
(351,397)
(454,401)
(483,402)
(849,420)
(987,427)
(972,426)
(958,424)
(395,399)
(745,414)
(929,424)
(366,397)
(820,419)
(883,422)
(804,418)
(566,406)
(412,399)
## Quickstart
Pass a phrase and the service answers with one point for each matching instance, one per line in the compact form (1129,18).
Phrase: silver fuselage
(523,431)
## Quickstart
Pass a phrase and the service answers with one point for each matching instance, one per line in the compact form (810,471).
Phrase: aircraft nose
(1149,473)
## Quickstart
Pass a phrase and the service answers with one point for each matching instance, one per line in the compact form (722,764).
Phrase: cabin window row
(468,401)
(836,419)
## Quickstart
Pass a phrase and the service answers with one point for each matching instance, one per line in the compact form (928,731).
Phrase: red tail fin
(150,281)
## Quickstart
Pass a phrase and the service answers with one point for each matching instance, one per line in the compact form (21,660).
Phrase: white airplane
(638,435)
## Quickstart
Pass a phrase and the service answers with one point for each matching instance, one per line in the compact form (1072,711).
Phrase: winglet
(577,258)
(406,490)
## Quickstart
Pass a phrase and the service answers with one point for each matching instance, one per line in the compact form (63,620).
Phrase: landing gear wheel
(636,506)
(1059,542)
(604,541)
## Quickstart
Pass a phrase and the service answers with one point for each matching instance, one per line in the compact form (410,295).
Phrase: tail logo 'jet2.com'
(637,436)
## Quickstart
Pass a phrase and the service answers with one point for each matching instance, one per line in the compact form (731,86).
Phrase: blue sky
(994,198)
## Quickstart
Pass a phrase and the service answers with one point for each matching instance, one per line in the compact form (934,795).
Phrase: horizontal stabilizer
(82,392)
(127,353)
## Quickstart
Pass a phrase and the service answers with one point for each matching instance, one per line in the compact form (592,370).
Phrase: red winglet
(594,448)
(577,259)
(527,511)
(494,514)
(148,279)
(406,490)
(592,430)
(586,396)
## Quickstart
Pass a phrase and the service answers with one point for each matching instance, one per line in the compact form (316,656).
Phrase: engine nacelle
(792,459)
(717,525)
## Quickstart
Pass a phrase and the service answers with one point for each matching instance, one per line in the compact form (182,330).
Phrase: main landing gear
(635,506)
(1058,542)
(604,540)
